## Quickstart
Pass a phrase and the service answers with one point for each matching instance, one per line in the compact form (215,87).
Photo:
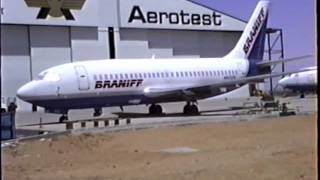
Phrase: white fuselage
(302,81)
(125,79)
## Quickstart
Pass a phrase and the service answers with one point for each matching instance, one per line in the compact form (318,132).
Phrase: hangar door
(83,80)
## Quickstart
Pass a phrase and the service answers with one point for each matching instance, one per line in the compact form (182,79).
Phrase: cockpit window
(48,76)
(41,75)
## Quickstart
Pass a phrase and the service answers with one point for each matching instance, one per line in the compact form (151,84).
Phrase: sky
(296,18)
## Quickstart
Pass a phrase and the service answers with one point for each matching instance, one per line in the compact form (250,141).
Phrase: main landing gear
(190,109)
(97,112)
(155,109)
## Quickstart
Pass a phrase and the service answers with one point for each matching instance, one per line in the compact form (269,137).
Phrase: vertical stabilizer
(251,43)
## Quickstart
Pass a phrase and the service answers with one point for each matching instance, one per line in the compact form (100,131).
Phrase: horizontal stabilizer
(269,63)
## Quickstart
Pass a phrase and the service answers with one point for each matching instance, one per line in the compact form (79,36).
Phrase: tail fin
(251,43)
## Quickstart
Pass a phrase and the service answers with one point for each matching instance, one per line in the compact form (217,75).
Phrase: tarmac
(211,110)
(230,139)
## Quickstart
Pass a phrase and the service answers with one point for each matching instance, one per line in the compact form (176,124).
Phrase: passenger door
(83,79)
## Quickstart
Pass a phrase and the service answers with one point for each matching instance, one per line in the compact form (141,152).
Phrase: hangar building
(38,34)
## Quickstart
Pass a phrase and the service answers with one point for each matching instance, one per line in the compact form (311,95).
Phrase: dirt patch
(280,148)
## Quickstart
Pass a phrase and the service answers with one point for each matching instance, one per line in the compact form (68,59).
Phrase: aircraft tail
(251,43)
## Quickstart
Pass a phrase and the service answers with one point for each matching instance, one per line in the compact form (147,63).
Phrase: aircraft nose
(26,91)
(282,82)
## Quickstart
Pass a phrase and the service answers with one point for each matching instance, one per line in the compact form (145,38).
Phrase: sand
(278,148)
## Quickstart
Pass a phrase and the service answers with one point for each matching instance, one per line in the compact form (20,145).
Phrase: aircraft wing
(162,91)
(190,90)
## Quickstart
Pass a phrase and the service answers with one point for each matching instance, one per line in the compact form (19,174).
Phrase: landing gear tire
(190,109)
(155,109)
(97,112)
(302,95)
(63,118)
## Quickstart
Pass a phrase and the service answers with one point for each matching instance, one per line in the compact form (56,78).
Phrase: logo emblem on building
(56,8)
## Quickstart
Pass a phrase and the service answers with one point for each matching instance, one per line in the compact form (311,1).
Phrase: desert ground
(277,148)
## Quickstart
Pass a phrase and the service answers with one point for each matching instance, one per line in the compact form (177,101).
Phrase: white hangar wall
(107,29)
(144,43)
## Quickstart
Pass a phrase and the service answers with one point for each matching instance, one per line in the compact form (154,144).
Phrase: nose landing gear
(97,112)
(63,118)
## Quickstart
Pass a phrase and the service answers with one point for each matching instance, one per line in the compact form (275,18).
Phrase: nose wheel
(190,109)
(97,112)
(63,118)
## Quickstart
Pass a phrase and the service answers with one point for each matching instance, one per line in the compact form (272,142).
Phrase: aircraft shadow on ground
(212,113)
(201,113)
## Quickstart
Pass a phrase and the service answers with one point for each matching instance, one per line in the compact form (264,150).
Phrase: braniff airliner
(302,82)
(122,82)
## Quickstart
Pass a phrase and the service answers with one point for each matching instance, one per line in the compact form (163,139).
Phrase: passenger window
(162,74)
(126,76)
(194,73)
(172,74)
(106,77)
(149,75)
(210,72)
(177,74)
(111,76)
(121,76)
(116,76)
(181,74)
(95,77)
(154,75)
(144,75)
(202,73)
(136,75)
(158,74)
(199,73)
(186,74)
(207,74)
(100,77)
(190,74)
